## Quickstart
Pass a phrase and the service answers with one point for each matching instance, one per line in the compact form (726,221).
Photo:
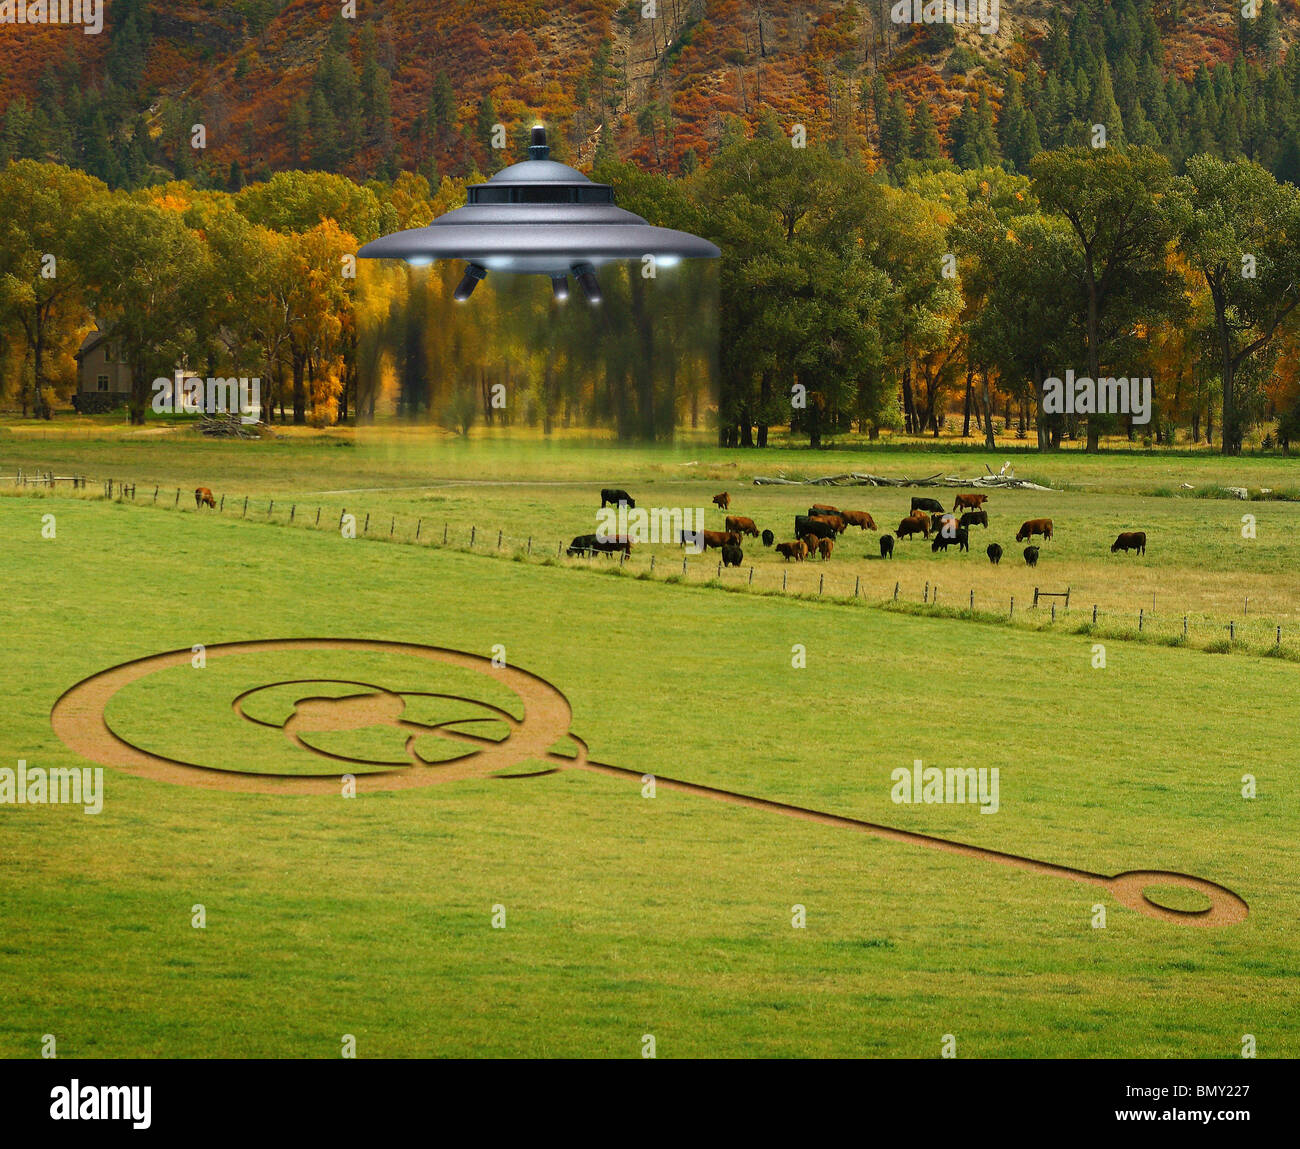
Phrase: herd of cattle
(815,533)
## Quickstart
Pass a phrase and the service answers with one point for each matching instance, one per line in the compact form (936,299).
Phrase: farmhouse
(103,375)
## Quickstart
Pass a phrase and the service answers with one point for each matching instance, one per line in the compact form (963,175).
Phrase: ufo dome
(539,217)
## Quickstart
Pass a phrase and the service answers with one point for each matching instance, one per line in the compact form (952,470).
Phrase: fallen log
(1002,480)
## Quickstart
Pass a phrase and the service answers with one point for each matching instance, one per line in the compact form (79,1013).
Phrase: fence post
(559,547)
(1140,613)
(1012,613)
(219,509)
(1232,631)
(783,577)
(366,529)
(500,534)
(751,583)
(175,502)
(719,570)
(821,583)
(926,596)
(472,532)
(155,494)
(896,585)
(420,523)
(342,513)
(1094,614)
(683,566)
(444,535)
(652,564)
(1279,637)
(271,508)
(1184,627)
(857,584)
(530,540)
(1246,608)
(245,510)
(293,510)
(1035,598)
(1067,599)
(318,516)
(972,600)
(1053,612)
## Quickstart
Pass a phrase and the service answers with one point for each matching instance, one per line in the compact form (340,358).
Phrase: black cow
(614,496)
(945,539)
(886,546)
(768,538)
(732,556)
(995,553)
(1031,556)
(582,545)
(804,525)
(920,504)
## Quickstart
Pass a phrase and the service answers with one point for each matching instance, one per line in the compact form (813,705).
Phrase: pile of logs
(227,426)
(1004,478)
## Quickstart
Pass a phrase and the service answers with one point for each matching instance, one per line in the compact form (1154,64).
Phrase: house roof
(92,340)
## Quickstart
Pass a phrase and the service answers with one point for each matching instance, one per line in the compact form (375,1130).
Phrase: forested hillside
(421,85)
(1105,189)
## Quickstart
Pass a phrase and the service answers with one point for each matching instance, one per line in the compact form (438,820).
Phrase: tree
(42,274)
(1114,203)
(800,298)
(1238,227)
(143,267)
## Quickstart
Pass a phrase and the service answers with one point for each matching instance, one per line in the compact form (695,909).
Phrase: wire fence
(811,579)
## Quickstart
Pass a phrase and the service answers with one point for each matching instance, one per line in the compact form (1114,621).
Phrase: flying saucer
(539,217)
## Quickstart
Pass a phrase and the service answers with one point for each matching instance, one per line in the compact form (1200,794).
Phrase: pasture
(628,915)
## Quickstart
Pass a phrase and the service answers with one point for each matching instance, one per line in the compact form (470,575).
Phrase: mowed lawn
(625,915)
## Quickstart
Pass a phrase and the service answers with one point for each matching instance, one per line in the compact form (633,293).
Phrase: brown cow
(937,521)
(825,547)
(204,496)
(859,519)
(824,509)
(912,525)
(795,550)
(832,521)
(971,518)
(1031,527)
(742,525)
(970,502)
(811,541)
(723,501)
(1130,541)
(720,539)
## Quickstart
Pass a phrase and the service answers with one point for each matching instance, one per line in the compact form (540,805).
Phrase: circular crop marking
(79,719)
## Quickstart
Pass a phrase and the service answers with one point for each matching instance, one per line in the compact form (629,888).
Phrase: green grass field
(625,915)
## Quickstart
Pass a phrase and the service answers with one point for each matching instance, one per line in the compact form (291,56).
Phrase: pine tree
(442,105)
(1103,108)
(923,142)
(298,129)
(894,130)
